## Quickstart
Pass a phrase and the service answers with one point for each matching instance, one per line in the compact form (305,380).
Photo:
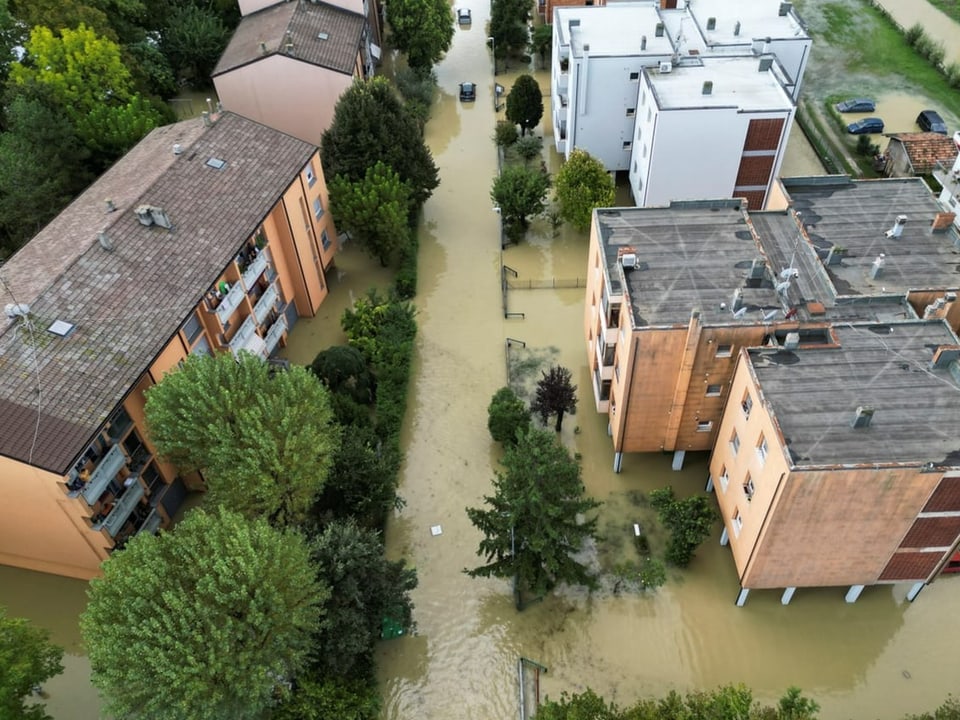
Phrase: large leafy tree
(370,124)
(520,193)
(374,210)
(530,524)
(422,30)
(63,14)
(690,521)
(508,26)
(207,622)
(343,369)
(264,440)
(193,38)
(365,589)
(583,184)
(507,416)
(319,697)
(27,659)
(555,395)
(541,41)
(525,103)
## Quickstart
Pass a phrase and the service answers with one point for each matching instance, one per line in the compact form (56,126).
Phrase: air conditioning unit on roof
(666,66)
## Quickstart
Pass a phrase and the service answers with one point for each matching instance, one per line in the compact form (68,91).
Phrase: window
(192,328)
(724,478)
(324,240)
(705,426)
(714,390)
(317,208)
(737,523)
(626,144)
(735,442)
(311,177)
(748,487)
(724,351)
(631,112)
(634,76)
(746,404)
(605,390)
(762,449)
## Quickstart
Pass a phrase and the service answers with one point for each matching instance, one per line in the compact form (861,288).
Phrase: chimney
(708,87)
(205,116)
(737,302)
(658,31)
(766,62)
(863,417)
(792,341)
(263,48)
(105,242)
(736,28)
(897,229)
(876,269)
(288,46)
(785,8)
(711,23)
(177,149)
(942,221)
(944,355)
(643,42)
(110,206)
(935,309)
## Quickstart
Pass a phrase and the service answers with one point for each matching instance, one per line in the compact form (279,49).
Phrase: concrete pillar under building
(742,597)
(724,538)
(914,591)
(617,462)
(709,487)
(787,595)
(853,593)
(678,460)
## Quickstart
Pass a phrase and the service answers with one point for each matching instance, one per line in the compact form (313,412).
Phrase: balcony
(274,334)
(105,472)
(604,353)
(230,302)
(255,268)
(266,303)
(122,509)
(246,337)
(152,523)
(601,392)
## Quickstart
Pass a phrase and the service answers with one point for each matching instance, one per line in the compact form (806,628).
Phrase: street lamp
(493,47)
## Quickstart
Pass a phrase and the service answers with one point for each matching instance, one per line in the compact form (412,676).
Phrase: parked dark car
(930,121)
(866,125)
(463,16)
(856,105)
(468,92)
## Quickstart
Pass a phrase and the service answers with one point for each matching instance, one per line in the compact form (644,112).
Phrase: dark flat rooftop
(856,216)
(814,395)
(692,255)
(127,303)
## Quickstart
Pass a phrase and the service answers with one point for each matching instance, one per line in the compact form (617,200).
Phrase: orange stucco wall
(284,93)
(37,500)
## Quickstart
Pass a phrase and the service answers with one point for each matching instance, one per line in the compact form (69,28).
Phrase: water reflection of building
(813,350)
(652,90)
(214,237)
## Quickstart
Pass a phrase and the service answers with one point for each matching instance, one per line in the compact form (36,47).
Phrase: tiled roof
(925,148)
(127,303)
(320,34)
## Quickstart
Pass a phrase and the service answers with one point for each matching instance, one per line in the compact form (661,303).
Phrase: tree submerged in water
(556,395)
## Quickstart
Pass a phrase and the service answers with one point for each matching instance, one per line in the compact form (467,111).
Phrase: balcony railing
(274,334)
(152,523)
(248,329)
(103,474)
(265,304)
(230,302)
(122,509)
(255,269)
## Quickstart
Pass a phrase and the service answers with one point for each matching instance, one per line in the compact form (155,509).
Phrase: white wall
(251,6)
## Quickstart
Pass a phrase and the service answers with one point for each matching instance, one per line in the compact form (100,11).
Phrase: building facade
(949,178)
(214,237)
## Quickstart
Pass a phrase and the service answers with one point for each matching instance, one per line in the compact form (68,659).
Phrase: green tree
(42,166)
(114,129)
(507,415)
(689,520)
(193,39)
(374,211)
(520,193)
(794,706)
(508,27)
(207,622)
(581,706)
(10,37)
(422,30)
(263,440)
(370,124)
(316,697)
(344,370)
(365,588)
(541,42)
(583,184)
(556,394)
(27,659)
(530,526)
(58,15)
(525,103)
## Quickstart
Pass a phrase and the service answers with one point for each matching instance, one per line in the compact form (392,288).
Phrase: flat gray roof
(735,82)
(814,395)
(128,302)
(692,255)
(856,216)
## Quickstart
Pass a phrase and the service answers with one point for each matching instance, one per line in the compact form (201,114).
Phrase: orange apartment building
(206,236)
(674,295)
(839,464)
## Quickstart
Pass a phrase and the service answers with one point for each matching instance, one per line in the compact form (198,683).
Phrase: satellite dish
(788,273)
(770,315)
(740,313)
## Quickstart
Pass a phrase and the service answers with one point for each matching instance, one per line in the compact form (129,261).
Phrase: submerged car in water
(866,125)
(468,92)
(856,105)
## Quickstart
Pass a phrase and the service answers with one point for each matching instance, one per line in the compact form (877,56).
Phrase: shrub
(529,147)
(507,415)
(652,573)
(913,34)
(506,134)
(952,71)
(865,147)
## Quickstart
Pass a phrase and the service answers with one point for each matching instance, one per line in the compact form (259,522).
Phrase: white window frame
(704,426)
(714,393)
(724,479)
(311,175)
(724,350)
(748,487)
(318,210)
(763,449)
(746,404)
(737,522)
(735,442)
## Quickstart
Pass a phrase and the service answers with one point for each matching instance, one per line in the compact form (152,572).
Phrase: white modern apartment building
(714,129)
(600,53)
